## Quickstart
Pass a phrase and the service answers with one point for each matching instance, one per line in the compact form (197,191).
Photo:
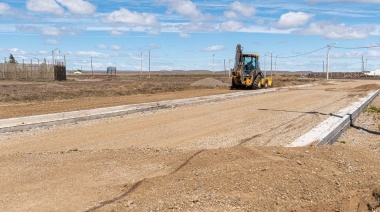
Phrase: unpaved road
(226,155)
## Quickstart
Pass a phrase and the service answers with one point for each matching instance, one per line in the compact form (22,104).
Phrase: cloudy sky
(192,34)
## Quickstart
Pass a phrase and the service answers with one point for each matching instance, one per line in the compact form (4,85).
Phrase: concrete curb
(329,130)
(30,122)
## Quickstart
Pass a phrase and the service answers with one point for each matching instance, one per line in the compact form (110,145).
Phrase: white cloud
(124,16)
(185,8)
(115,32)
(260,21)
(231,26)
(102,46)
(4,8)
(154,46)
(184,35)
(42,52)
(116,47)
(60,31)
(78,6)
(17,52)
(347,1)
(52,42)
(293,19)
(51,32)
(153,31)
(335,31)
(198,27)
(90,54)
(27,28)
(44,6)
(214,48)
(237,9)
(373,54)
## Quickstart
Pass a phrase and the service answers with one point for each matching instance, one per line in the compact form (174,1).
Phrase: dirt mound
(368,87)
(209,82)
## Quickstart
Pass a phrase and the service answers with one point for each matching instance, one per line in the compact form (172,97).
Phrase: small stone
(299,162)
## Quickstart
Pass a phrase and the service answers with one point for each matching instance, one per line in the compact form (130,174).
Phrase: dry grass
(80,86)
(97,86)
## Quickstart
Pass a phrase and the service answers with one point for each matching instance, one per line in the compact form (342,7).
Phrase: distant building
(111,70)
(373,73)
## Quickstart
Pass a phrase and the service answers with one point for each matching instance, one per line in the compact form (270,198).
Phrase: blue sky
(184,34)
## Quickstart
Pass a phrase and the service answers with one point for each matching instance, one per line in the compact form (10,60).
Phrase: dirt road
(218,156)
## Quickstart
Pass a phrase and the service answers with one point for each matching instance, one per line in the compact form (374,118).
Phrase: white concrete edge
(328,131)
(30,122)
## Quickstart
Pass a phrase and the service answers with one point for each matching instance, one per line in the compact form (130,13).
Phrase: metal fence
(26,71)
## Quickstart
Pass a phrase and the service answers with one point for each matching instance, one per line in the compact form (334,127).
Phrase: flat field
(25,98)
(221,156)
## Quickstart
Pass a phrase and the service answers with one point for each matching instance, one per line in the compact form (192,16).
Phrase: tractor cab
(250,64)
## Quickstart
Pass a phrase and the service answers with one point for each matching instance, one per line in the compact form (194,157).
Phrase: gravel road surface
(226,155)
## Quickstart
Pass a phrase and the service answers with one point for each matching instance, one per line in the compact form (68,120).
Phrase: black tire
(233,84)
(256,81)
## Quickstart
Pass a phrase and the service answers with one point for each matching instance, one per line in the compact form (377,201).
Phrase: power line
(361,47)
(299,55)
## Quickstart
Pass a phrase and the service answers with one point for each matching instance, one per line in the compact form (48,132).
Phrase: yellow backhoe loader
(247,73)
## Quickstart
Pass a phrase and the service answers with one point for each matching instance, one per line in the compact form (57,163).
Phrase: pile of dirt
(209,82)
(261,178)
(368,87)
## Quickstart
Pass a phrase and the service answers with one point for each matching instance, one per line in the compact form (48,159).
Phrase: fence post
(5,67)
(5,63)
(31,68)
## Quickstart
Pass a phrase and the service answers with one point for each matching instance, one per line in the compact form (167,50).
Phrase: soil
(210,82)
(222,156)
(368,87)
(80,92)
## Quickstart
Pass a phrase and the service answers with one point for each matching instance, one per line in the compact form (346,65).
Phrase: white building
(374,73)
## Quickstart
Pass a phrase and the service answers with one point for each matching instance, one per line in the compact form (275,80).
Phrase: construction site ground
(221,156)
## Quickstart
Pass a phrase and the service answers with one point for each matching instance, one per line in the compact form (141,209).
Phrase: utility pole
(213,64)
(275,65)
(362,64)
(328,57)
(265,62)
(149,63)
(229,67)
(323,66)
(225,70)
(271,69)
(64,58)
(327,61)
(141,65)
(92,70)
(52,56)
(366,62)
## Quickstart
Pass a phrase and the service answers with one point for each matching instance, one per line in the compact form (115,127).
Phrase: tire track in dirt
(241,143)
(138,183)
(246,140)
